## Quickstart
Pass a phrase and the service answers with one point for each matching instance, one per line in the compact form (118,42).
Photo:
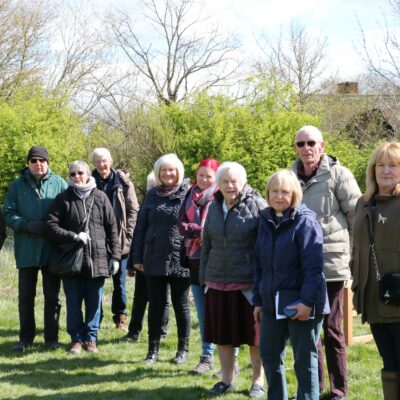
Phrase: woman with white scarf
(101,251)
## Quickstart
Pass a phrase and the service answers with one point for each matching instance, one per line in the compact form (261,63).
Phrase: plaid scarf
(196,207)
(166,191)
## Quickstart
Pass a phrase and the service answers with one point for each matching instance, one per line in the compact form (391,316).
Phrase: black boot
(183,351)
(152,354)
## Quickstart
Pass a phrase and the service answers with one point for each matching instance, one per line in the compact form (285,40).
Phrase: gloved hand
(36,226)
(113,266)
(131,272)
(82,237)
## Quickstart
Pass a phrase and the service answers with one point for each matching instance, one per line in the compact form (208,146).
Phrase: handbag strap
(85,221)
(372,243)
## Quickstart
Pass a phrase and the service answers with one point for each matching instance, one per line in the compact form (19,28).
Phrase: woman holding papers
(289,287)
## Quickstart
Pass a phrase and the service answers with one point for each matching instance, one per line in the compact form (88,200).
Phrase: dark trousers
(158,297)
(335,344)
(27,280)
(387,339)
(118,302)
(140,300)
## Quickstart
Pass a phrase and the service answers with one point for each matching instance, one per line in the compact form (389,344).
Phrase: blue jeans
(118,302)
(304,336)
(198,295)
(89,291)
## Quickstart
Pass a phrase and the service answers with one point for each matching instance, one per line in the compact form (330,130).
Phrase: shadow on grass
(160,393)
(73,372)
(8,332)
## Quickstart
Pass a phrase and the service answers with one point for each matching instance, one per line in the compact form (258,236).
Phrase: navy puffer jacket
(289,256)
(157,241)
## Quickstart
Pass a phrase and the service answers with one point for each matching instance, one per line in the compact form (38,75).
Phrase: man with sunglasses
(331,191)
(25,211)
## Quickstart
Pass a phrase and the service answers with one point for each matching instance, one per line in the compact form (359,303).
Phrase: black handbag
(389,288)
(389,282)
(66,258)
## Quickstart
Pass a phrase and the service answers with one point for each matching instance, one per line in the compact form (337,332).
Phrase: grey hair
(151,181)
(311,129)
(80,165)
(101,152)
(235,168)
(172,159)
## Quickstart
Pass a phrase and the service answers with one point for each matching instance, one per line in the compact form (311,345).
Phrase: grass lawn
(117,371)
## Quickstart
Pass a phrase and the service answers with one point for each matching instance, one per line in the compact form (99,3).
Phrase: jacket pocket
(388,310)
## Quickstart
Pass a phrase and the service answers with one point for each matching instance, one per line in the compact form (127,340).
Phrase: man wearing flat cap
(25,211)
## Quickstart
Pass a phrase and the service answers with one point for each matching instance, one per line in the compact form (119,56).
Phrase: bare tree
(76,61)
(381,55)
(295,57)
(23,33)
(182,56)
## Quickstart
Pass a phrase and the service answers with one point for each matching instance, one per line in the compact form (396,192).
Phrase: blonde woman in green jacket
(380,207)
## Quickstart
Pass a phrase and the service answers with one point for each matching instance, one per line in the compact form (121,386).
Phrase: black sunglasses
(35,160)
(310,143)
(76,173)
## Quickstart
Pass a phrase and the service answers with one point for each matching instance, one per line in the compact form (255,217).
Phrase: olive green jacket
(386,229)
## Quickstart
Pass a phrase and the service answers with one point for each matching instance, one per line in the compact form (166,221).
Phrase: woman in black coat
(156,251)
(101,251)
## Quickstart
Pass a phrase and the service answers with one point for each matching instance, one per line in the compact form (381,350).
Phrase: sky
(337,20)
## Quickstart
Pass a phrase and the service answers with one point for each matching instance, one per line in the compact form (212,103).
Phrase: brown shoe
(76,349)
(121,323)
(91,347)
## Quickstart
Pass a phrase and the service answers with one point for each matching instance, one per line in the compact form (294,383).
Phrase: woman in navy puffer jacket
(156,252)
(288,263)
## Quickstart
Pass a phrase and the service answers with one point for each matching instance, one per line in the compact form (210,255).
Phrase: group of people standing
(261,270)
(42,208)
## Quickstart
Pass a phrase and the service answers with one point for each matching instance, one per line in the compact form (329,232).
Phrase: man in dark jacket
(121,193)
(25,211)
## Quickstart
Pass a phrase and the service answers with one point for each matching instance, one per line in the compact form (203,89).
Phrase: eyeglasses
(35,160)
(72,174)
(310,143)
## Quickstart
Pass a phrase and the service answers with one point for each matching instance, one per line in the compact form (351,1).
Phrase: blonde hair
(288,180)
(392,151)
(172,159)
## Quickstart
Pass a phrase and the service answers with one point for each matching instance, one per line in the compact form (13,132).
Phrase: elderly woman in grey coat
(226,270)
